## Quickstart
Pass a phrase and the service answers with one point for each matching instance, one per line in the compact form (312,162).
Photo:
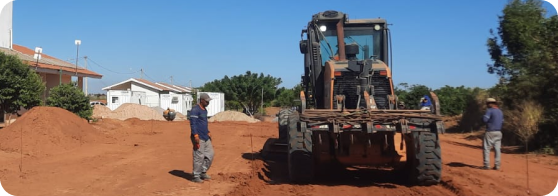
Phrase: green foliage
(68,97)
(524,52)
(246,89)
(287,97)
(233,105)
(454,100)
(20,87)
(411,95)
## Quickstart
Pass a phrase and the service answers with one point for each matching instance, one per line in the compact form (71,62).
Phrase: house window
(115,100)
(174,100)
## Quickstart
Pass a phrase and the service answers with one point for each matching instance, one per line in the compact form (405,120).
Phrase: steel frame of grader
(309,134)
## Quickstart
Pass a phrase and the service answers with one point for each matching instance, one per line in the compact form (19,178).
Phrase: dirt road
(154,158)
(462,158)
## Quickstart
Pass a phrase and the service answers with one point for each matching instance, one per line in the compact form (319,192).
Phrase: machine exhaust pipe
(341,40)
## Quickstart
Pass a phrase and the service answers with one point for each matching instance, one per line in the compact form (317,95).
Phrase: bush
(525,119)
(68,97)
(20,87)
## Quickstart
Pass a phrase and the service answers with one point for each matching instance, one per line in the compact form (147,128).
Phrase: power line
(148,76)
(173,80)
(89,58)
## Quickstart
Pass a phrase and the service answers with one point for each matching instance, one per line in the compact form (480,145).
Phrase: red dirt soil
(155,158)
(47,130)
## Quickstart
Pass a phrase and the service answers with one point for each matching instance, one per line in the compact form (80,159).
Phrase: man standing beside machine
(201,139)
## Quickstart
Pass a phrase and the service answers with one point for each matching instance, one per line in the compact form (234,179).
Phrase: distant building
(151,94)
(53,71)
(6,30)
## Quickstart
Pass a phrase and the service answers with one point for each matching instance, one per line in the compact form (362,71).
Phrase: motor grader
(348,112)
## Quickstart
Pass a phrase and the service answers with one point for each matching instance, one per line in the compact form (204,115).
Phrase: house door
(115,102)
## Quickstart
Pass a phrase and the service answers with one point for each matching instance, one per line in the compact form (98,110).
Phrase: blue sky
(434,43)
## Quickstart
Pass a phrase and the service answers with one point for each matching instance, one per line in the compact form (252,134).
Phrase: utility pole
(85,78)
(141,77)
(262,102)
(77,42)
(172,83)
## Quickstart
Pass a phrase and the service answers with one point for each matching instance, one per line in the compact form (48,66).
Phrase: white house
(151,94)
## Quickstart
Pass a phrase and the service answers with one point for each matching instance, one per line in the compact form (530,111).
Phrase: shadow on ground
(504,149)
(275,171)
(181,174)
(458,164)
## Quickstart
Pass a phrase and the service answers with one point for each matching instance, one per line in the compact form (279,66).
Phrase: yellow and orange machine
(349,114)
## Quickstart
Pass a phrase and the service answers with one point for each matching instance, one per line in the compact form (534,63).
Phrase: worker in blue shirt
(201,139)
(425,103)
(494,118)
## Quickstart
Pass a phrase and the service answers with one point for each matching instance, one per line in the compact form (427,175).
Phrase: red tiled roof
(153,84)
(173,87)
(29,51)
(54,67)
(47,62)
(159,86)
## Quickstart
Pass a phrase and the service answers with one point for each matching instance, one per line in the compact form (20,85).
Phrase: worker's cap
(490,100)
(205,97)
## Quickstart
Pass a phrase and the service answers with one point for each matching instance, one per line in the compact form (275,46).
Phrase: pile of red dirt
(47,130)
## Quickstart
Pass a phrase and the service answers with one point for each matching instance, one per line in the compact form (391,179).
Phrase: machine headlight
(323,28)
(377,27)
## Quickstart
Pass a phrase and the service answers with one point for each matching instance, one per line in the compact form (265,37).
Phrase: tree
(525,53)
(411,95)
(68,97)
(454,100)
(20,87)
(287,97)
(246,89)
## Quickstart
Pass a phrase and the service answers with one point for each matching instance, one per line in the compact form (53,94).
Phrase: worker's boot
(205,176)
(197,179)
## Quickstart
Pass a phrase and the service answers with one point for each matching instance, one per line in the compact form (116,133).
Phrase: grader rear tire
(283,121)
(424,158)
(300,160)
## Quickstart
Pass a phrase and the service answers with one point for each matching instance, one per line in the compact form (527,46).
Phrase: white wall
(187,99)
(216,105)
(6,25)
(167,102)
(151,96)
(115,98)
(138,98)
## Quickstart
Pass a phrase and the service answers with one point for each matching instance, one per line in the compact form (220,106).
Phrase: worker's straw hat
(490,100)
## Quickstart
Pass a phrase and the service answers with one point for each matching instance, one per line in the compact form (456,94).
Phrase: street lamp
(38,52)
(78,42)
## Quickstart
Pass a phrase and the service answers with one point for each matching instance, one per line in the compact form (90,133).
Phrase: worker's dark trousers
(492,139)
(203,157)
